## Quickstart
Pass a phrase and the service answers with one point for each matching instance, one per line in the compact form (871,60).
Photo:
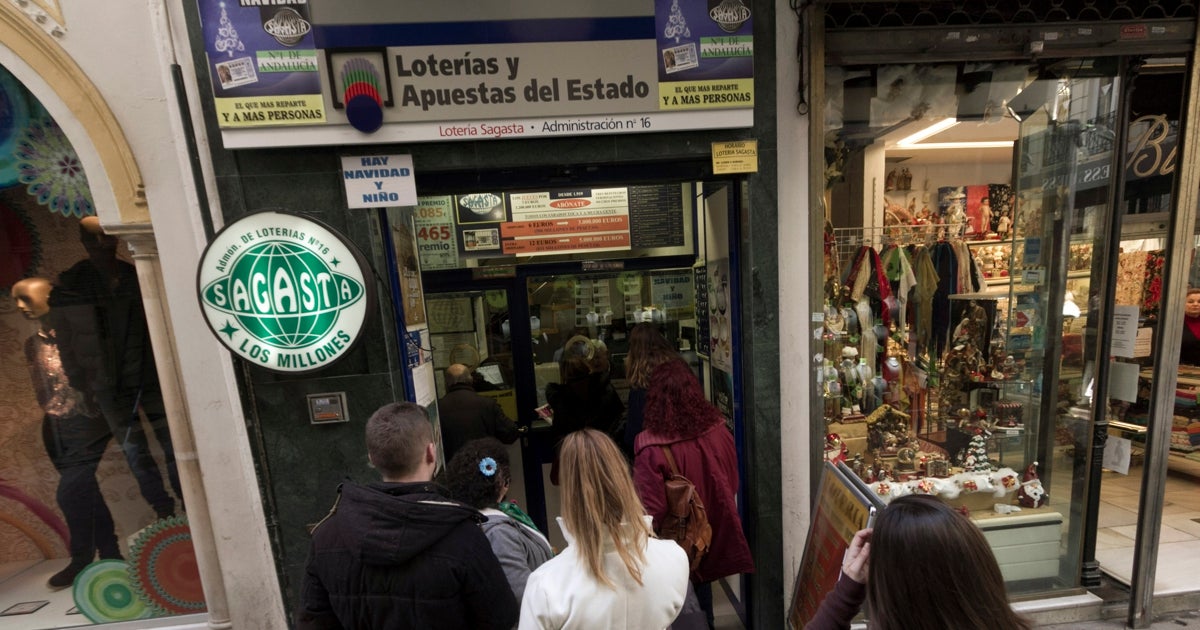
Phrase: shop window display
(94,526)
(951,356)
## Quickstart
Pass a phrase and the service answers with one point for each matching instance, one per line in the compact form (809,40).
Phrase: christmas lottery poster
(263,62)
(705,54)
(843,508)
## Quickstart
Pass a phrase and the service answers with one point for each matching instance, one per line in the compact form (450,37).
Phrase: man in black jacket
(398,553)
(466,415)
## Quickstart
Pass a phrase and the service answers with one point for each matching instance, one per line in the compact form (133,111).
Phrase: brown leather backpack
(686,521)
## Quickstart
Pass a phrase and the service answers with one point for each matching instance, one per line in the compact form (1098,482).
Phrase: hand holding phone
(857,560)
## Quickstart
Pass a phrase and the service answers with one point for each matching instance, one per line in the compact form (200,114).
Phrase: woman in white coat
(614,573)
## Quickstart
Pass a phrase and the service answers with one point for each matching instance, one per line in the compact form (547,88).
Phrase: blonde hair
(600,502)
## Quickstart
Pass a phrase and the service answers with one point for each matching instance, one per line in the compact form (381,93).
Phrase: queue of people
(406,552)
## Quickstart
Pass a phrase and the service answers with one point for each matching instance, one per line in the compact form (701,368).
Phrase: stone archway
(49,72)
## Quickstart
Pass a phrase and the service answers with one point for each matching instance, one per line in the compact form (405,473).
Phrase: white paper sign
(1117,452)
(1142,346)
(1123,381)
(1125,330)
(379,181)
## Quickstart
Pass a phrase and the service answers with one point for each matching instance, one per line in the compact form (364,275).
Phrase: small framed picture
(23,608)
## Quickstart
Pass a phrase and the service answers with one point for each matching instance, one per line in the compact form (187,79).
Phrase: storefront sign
(263,63)
(284,292)
(459,70)
(735,157)
(379,181)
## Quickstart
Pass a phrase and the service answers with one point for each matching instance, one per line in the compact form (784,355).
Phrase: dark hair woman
(919,551)
(648,349)
(679,418)
(478,475)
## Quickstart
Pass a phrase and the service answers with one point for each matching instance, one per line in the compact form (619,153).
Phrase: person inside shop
(923,565)
(399,553)
(1189,351)
(75,437)
(106,342)
(466,415)
(584,397)
(648,349)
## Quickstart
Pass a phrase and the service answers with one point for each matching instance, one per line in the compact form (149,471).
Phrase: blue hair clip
(487,466)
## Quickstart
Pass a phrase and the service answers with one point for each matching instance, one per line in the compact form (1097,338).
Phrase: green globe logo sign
(283,291)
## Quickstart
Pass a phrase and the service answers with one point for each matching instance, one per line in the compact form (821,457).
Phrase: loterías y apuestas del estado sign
(284,292)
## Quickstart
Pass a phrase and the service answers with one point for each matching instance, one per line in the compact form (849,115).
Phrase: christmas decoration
(676,24)
(47,162)
(1032,494)
(949,488)
(975,457)
(103,593)
(162,565)
(227,36)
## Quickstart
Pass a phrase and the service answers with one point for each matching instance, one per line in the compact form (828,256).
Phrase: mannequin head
(33,297)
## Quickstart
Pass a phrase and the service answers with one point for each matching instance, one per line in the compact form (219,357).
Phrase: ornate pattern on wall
(162,565)
(49,165)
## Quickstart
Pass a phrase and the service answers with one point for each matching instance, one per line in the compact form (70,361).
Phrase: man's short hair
(397,434)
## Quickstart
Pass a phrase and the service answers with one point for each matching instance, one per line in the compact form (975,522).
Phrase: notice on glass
(1125,331)
(1117,453)
(1142,346)
(567,221)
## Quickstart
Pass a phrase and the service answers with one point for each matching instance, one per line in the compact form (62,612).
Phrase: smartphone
(871,517)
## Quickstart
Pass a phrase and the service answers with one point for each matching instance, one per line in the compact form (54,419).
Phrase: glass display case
(970,379)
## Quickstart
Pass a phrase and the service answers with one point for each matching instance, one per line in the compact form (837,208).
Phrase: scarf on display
(867,278)
(945,262)
(926,286)
(900,274)
(868,345)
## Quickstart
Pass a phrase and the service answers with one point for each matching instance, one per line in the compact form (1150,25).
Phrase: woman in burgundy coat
(678,416)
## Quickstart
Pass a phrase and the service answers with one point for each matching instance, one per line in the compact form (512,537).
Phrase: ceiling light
(931,130)
(913,141)
(996,144)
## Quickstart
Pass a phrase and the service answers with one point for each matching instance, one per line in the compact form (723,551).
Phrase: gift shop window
(92,526)
(964,203)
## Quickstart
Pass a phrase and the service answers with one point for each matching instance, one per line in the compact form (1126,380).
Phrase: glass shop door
(1062,202)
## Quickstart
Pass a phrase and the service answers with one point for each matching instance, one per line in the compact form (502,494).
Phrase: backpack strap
(670,459)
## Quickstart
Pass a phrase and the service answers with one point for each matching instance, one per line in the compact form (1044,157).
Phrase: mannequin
(75,435)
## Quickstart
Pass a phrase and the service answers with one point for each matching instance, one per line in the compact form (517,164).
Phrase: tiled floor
(1179,537)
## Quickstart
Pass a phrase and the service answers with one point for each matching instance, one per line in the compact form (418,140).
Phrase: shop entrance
(508,316)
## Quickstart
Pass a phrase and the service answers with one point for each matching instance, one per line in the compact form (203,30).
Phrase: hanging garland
(49,165)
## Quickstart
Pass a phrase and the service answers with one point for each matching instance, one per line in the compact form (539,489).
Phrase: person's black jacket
(466,415)
(402,555)
(589,402)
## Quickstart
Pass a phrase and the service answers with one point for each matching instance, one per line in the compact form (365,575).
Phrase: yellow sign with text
(735,157)
(265,111)
(705,94)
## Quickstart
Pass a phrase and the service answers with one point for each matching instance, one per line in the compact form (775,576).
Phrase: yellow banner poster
(706,94)
(262,111)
